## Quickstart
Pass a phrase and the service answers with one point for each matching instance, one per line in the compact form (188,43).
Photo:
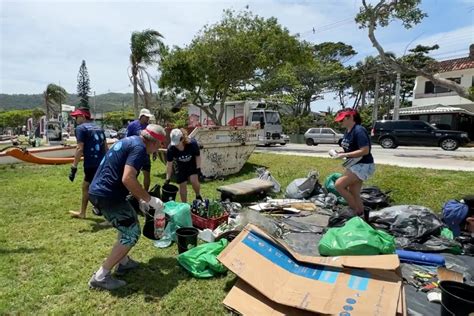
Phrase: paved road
(423,157)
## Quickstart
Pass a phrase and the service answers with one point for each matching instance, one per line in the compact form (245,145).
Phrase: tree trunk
(135,89)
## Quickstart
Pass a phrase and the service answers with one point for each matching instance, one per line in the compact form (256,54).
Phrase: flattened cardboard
(445,274)
(316,284)
(245,300)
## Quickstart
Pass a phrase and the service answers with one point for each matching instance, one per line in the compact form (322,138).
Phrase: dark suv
(391,134)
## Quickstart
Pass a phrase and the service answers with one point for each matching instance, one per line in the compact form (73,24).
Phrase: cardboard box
(355,285)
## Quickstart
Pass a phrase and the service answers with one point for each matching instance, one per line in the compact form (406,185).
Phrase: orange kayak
(27,156)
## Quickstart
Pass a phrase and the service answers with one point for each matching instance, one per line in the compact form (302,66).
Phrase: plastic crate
(211,223)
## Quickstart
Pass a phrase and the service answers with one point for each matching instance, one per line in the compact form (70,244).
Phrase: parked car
(285,139)
(325,135)
(110,133)
(391,134)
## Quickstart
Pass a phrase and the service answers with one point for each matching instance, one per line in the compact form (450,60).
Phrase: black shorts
(183,173)
(89,173)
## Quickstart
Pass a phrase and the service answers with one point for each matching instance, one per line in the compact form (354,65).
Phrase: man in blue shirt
(134,129)
(91,144)
(116,177)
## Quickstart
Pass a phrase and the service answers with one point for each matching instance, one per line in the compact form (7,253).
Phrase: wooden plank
(246,187)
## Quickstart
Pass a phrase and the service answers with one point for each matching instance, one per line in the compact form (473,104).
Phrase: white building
(442,106)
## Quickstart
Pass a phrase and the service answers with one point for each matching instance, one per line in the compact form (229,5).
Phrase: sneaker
(96,211)
(121,269)
(108,283)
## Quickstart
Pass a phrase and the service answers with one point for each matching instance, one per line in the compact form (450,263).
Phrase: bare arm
(78,154)
(129,179)
(169,169)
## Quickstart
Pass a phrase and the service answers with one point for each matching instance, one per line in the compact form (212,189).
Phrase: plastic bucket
(149,225)
(168,192)
(186,238)
(456,298)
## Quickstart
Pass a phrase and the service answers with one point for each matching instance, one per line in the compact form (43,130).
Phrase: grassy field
(46,258)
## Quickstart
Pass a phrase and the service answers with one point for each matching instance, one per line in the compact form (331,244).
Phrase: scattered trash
(252,189)
(264,174)
(356,237)
(201,261)
(330,186)
(339,217)
(375,198)
(303,187)
(414,228)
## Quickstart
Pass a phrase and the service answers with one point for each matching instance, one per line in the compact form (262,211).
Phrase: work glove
(72,173)
(156,203)
(200,175)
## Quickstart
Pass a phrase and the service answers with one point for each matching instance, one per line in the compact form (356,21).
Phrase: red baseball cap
(341,115)
(81,112)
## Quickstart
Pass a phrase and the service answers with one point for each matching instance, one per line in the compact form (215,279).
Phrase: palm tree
(53,97)
(146,47)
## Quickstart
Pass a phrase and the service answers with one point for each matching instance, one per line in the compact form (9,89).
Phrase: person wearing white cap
(115,178)
(134,129)
(183,155)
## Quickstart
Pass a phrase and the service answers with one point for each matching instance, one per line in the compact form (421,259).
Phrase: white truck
(244,113)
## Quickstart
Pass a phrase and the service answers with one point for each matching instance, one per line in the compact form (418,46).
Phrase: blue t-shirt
(134,128)
(108,179)
(185,158)
(355,139)
(93,138)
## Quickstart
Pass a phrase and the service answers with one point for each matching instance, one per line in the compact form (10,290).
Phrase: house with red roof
(441,106)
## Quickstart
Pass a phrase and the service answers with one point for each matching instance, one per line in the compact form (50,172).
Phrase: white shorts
(363,171)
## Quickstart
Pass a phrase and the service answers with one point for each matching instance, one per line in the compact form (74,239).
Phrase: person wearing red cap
(116,177)
(359,161)
(92,144)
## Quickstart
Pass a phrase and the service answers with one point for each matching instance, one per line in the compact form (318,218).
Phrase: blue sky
(45,41)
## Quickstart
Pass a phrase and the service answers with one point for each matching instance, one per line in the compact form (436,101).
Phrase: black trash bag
(340,217)
(414,228)
(375,198)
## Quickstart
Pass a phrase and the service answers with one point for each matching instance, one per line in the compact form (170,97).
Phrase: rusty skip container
(224,149)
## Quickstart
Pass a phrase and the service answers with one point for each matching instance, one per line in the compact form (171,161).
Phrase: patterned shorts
(121,215)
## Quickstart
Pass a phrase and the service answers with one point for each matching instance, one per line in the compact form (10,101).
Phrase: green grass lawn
(46,258)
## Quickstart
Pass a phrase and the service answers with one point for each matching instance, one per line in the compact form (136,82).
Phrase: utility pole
(396,106)
(375,110)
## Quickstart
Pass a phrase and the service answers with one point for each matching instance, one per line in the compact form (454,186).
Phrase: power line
(322,28)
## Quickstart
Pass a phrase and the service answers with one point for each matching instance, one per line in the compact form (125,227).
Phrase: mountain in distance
(104,102)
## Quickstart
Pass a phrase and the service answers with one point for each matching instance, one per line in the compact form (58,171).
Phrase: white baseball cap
(176,136)
(145,112)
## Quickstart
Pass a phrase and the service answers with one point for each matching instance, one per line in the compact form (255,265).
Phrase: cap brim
(340,117)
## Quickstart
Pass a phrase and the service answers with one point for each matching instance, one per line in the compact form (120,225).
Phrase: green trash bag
(355,238)
(330,185)
(179,216)
(201,261)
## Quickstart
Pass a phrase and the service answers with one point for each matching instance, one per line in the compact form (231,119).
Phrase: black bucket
(168,192)
(456,298)
(186,238)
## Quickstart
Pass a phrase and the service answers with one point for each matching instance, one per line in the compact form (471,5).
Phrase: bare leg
(342,186)
(183,191)
(118,252)
(195,183)
(146,180)
(355,191)
(85,199)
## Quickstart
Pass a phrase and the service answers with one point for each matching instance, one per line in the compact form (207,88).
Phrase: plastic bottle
(159,220)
